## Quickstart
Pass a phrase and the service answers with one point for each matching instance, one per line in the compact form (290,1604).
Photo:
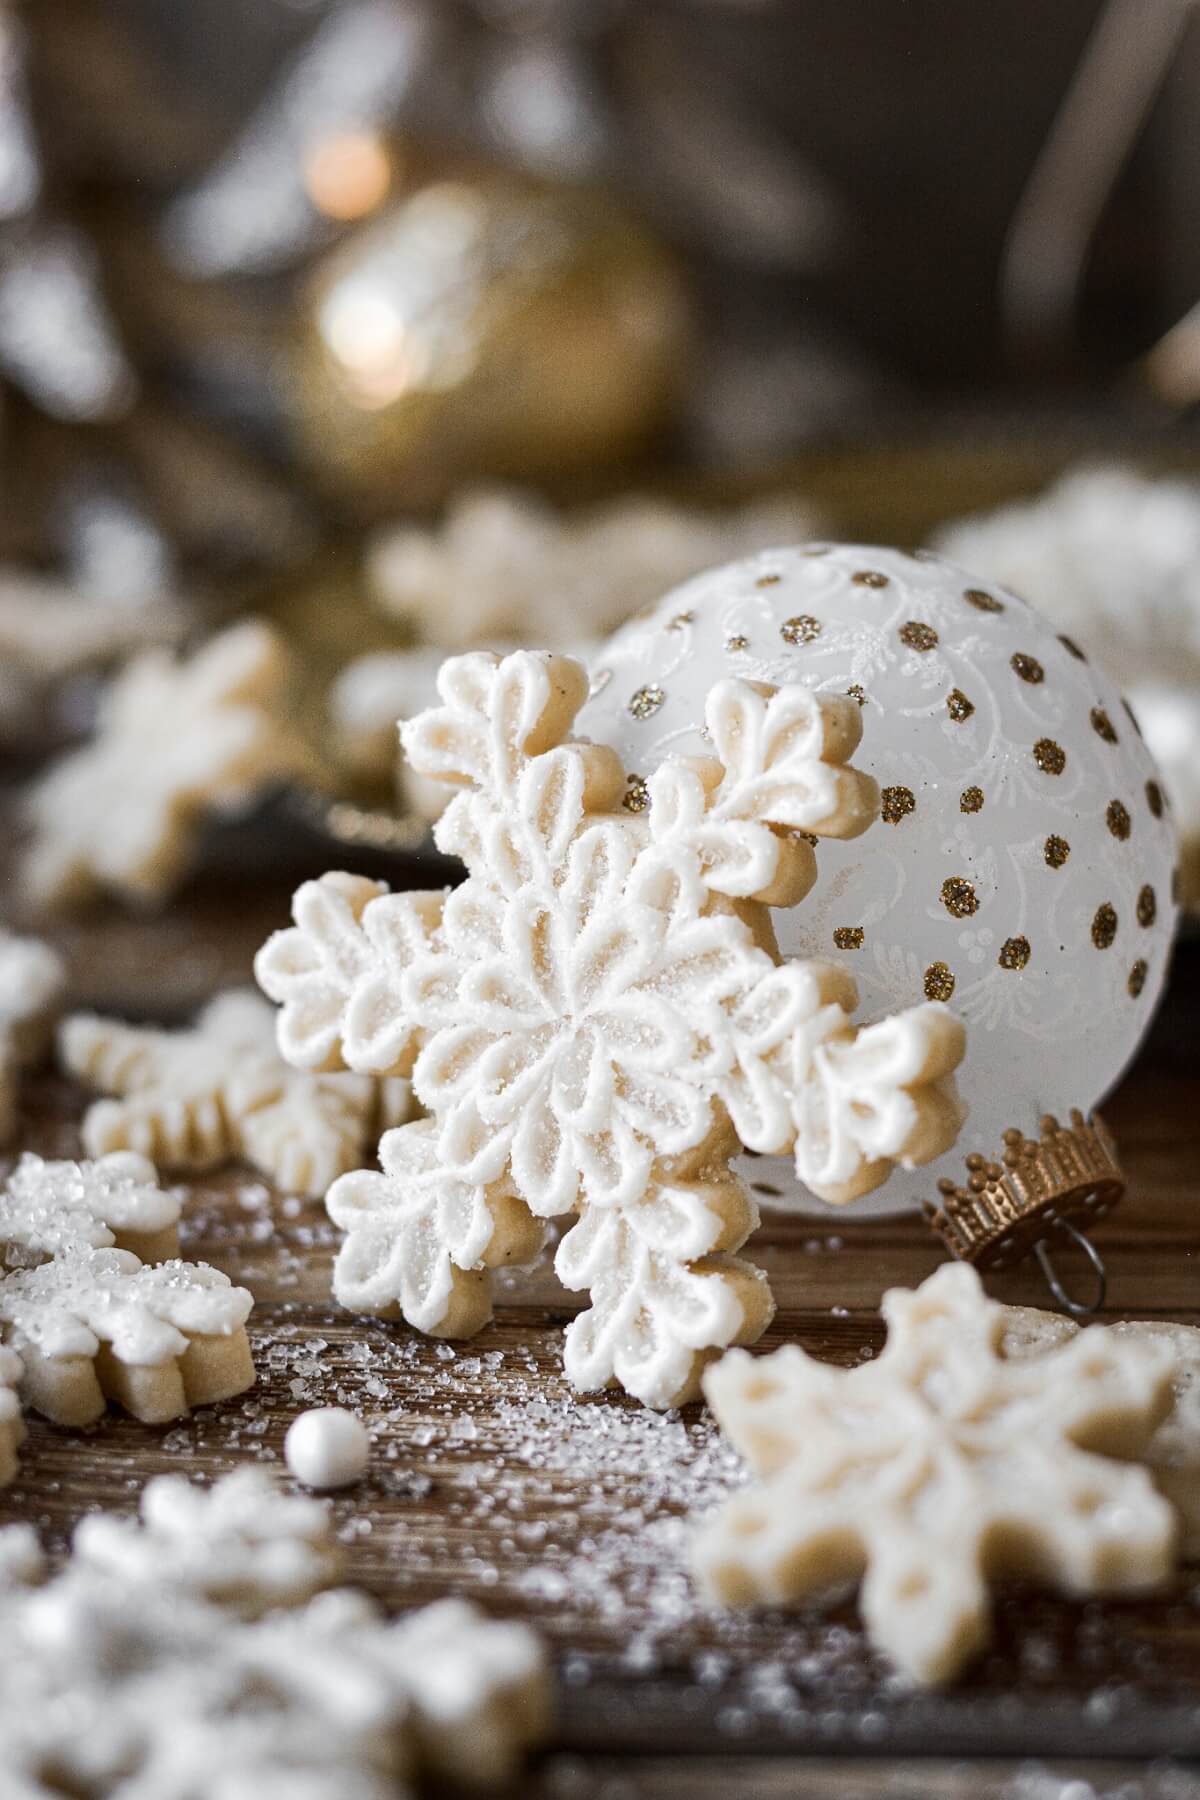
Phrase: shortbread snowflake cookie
(153,1661)
(192,1099)
(1173,1453)
(597,1020)
(12,1425)
(503,567)
(33,978)
(92,1322)
(938,1466)
(175,741)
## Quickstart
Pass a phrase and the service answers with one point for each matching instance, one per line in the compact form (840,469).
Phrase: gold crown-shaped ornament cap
(1055,1186)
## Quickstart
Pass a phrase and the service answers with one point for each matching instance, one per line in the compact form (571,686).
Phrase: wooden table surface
(490,1478)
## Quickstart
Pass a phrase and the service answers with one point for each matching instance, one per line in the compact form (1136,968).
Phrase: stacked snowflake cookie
(597,1020)
(95,1304)
(196,1653)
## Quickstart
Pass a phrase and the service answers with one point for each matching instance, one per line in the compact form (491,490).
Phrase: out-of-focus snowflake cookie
(936,1467)
(33,979)
(503,567)
(1173,1453)
(597,1018)
(90,1320)
(175,740)
(192,1099)
(12,1425)
(136,1640)
(243,1543)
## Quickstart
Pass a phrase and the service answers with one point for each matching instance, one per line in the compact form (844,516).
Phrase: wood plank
(490,1478)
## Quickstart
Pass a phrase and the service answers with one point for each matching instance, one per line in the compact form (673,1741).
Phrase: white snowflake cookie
(33,979)
(597,1019)
(192,1099)
(938,1466)
(92,1322)
(1173,1453)
(153,1635)
(175,740)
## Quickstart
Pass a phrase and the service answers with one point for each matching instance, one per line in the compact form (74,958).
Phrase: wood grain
(489,1478)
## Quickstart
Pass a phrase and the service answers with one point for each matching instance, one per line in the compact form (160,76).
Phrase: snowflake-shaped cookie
(33,978)
(596,1019)
(192,1099)
(1173,1453)
(175,740)
(89,1319)
(937,1466)
(175,1688)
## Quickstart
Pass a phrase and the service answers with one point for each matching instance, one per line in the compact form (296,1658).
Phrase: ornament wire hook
(1080,1308)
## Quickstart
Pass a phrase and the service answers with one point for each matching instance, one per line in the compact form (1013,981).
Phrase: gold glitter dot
(895,803)
(1014,953)
(855,692)
(1154,798)
(1137,977)
(1027,667)
(971,800)
(1147,906)
(1116,817)
(800,630)
(803,837)
(737,642)
(680,620)
(869,578)
(849,937)
(939,981)
(958,706)
(1056,851)
(918,636)
(981,601)
(769,580)
(1132,717)
(1050,757)
(1102,725)
(958,897)
(1104,926)
(646,702)
(637,794)
(1070,644)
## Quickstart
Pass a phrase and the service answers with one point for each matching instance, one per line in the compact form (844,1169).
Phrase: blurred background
(415,324)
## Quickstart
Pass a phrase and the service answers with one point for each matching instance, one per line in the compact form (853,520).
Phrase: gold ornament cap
(1057,1185)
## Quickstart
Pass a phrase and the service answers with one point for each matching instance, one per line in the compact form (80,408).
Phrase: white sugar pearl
(327,1447)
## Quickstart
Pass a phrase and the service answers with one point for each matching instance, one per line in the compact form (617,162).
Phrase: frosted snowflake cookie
(89,1319)
(175,740)
(33,979)
(135,1641)
(936,1467)
(597,1020)
(1173,1453)
(192,1099)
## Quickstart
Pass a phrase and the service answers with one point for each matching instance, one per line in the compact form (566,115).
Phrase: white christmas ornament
(1023,867)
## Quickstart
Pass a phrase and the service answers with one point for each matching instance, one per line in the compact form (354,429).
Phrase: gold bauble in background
(484,325)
